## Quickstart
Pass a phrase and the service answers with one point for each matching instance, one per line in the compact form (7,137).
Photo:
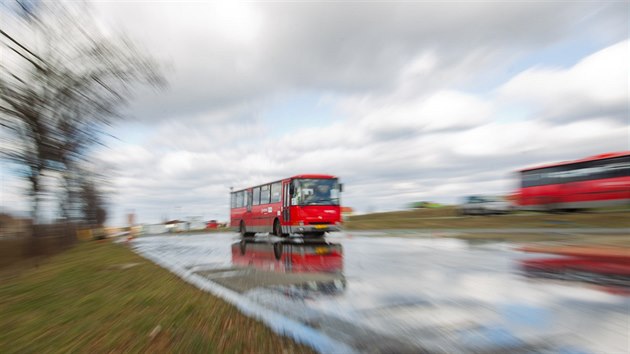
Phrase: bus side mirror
(340,187)
(291,189)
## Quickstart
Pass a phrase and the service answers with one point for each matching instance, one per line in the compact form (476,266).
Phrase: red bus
(302,204)
(596,181)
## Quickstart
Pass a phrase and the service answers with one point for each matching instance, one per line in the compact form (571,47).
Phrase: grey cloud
(348,47)
(363,45)
(595,87)
(584,109)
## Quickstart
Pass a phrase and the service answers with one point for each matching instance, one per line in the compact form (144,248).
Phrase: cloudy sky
(404,101)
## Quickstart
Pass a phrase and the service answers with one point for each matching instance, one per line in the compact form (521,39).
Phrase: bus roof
(315,176)
(590,158)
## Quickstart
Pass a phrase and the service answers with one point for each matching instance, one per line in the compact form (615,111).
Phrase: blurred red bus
(596,181)
(302,204)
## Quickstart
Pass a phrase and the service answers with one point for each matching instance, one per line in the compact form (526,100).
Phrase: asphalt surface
(400,294)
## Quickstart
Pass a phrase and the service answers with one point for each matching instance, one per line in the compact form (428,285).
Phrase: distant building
(346,212)
(172,225)
(196,225)
(154,229)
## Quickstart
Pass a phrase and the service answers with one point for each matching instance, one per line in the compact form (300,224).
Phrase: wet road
(392,294)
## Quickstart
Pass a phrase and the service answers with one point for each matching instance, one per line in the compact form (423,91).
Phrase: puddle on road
(436,294)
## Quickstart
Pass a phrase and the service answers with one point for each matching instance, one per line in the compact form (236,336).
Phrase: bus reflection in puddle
(299,268)
(606,269)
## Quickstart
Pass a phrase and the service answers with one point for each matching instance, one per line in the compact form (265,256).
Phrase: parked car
(483,205)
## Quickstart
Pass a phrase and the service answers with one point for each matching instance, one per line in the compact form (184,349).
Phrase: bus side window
(239,199)
(256,196)
(276,189)
(264,194)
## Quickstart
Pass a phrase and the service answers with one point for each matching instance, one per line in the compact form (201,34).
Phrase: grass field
(445,218)
(101,297)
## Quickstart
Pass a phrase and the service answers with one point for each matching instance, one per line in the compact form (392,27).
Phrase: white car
(483,205)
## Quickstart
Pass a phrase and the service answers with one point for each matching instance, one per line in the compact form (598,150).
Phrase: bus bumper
(310,229)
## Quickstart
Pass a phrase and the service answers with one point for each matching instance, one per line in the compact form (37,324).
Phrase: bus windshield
(315,191)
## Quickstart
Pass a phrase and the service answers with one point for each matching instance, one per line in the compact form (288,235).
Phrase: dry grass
(444,218)
(101,297)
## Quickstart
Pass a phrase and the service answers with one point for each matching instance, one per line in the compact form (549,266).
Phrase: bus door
(286,203)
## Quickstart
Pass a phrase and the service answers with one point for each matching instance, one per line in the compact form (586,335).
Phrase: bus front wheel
(277,229)
(244,232)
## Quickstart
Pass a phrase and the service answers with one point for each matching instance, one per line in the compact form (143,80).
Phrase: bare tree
(92,204)
(64,84)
